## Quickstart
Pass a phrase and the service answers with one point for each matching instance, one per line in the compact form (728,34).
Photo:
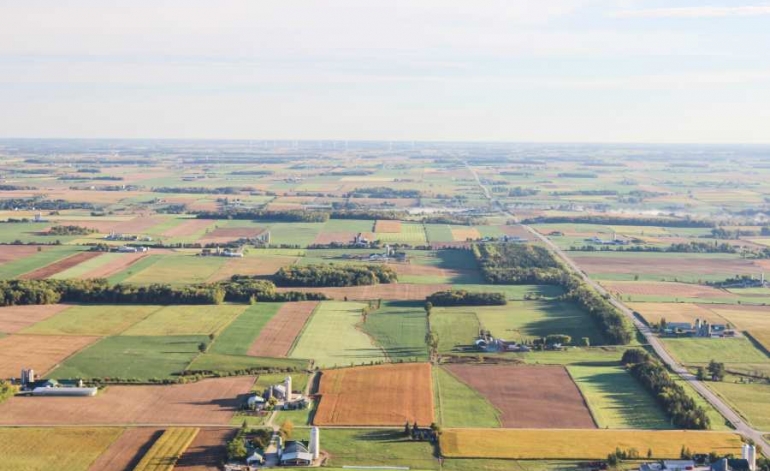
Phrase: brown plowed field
(60,266)
(339,237)
(39,352)
(382,225)
(665,266)
(390,291)
(188,227)
(529,396)
(211,402)
(132,226)
(227,234)
(376,395)
(127,450)
(664,288)
(9,253)
(277,336)
(115,266)
(207,452)
(16,318)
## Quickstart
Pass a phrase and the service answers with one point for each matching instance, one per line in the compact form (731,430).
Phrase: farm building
(296,453)
(702,328)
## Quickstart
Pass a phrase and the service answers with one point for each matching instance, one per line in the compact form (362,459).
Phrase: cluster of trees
(384,192)
(460,297)
(577,175)
(365,214)
(334,275)
(16,188)
(520,192)
(723,233)
(237,289)
(530,264)
(671,396)
(6,390)
(222,190)
(620,221)
(683,247)
(42,204)
(716,371)
(70,230)
(266,215)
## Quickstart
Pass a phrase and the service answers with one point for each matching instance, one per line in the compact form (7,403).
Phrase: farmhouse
(702,329)
(487,343)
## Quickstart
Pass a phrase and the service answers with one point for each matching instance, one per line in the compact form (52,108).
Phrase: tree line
(460,297)
(98,290)
(516,264)
(69,230)
(293,215)
(334,275)
(620,221)
(671,396)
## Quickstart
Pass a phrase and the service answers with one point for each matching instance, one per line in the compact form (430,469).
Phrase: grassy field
(751,400)
(580,444)
(81,269)
(528,320)
(167,450)
(141,265)
(66,449)
(459,405)
(240,334)
(616,399)
(218,362)
(176,270)
(187,320)
(332,337)
(411,233)
(438,233)
(46,256)
(376,447)
(515,292)
(457,328)
(102,320)
(699,351)
(399,327)
(132,357)
(296,233)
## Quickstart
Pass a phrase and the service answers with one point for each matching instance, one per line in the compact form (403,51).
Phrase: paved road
(740,425)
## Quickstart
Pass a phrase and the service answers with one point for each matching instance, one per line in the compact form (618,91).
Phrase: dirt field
(115,266)
(387,226)
(188,227)
(211,401)
(207,451)
(529,396)
(227,234)
(9,253)
(15,318)
(339,237)
(460,235)
(127,450)
(132,226)
(664,288)
(60,266)
(664,266)
(277,337)
(39,352)
(676,312)
(376,395)
(392,291)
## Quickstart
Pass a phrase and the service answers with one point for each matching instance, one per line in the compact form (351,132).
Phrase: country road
(717,402)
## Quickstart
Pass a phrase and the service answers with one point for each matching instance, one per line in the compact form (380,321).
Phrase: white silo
(315,442)
(749,453)
(287,384)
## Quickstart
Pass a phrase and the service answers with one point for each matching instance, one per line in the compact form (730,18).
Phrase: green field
(296,233)
(176,270)
(240,334)
(40,449)
(132,357)
(399,327)
(457,329)
(617,399)
(81,269)
(700,351)
(28,232)
(187,320)
(101,320)
(411,233)
(438,233)
(515,292)
(332,337)
(137,267)
(459,405)
(218,362)
(751,400)
(46,256)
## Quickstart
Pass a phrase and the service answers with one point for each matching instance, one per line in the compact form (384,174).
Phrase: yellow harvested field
(664,288)
(62,448)
(675,312)
(461,235)
(762,336)
(580,444)
(746,317)
(387,226)
(167,450)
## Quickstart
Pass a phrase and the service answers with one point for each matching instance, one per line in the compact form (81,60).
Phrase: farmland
(594,444)
(72,449)
(238,337)
(167,450)
(186,320)
(459,405)
(399,328)
(42,352)
(128,449)
(280,332)
(377,395)
(99,320)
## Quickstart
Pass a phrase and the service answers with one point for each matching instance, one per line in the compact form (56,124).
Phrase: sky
(645,71)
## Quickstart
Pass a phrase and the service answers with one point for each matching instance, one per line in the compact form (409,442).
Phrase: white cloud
(695,12)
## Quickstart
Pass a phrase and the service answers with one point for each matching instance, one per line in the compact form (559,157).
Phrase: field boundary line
(585,399)
(475,391)
(58,364)
(302,331)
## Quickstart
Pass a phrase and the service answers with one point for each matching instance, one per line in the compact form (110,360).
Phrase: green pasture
(515,292)
(81,269)
(46,256)
(26,232)
(332,337)
(237,337)
(211,361)
(751,400)
(700,351)
(458,405)
(137,267)
(617,399)
(457,329)
(436,233)
(293,233)
(101,320)
(177,269)
(376,447)
(187,320)
(411,233)
(399,328)
(132,357)
(348,225)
